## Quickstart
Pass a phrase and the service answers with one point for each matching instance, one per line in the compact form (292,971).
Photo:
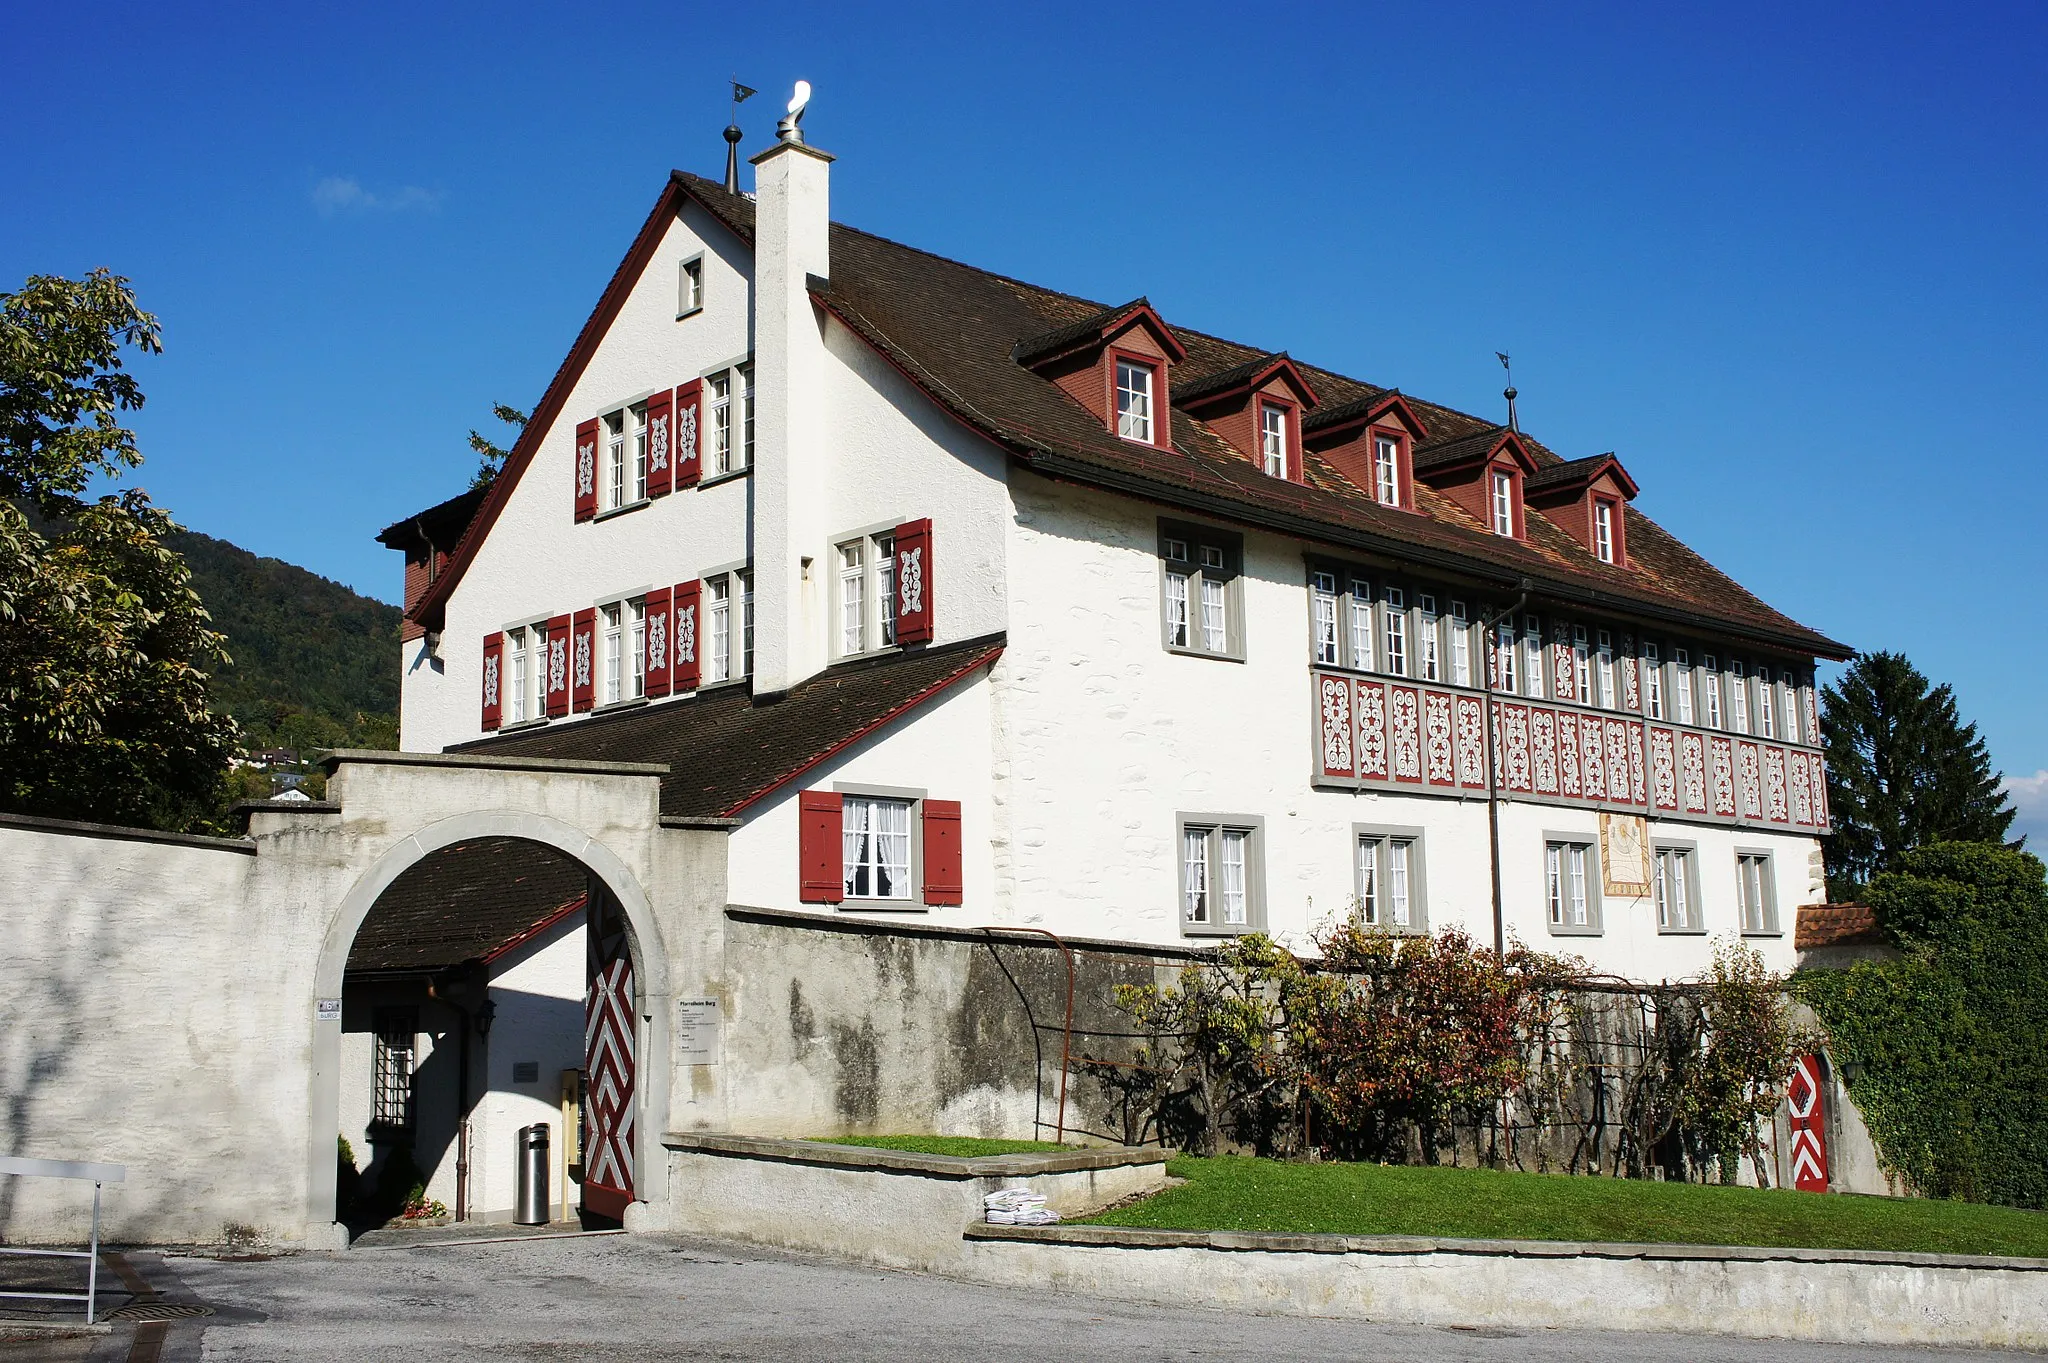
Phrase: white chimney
(792,224)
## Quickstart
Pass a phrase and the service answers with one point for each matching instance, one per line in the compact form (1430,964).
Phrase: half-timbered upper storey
(784,455)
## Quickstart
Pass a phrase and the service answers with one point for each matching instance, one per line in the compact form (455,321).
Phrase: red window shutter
(689,433)
(659,636)
(583,660)
(661,444)
(558,667)
(584,470)
(943,883)
(494,662)
(914,582)
(819,847)
(689,636)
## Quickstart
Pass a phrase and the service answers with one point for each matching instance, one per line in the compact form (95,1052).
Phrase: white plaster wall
(1103,738)
(941,749)
(539,994)
(538,561)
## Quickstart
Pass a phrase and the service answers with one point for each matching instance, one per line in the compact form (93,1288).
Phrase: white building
(975,600)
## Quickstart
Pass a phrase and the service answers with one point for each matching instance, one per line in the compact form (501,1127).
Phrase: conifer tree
(1903,771)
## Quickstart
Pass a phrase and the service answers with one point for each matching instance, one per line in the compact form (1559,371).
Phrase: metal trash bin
(533,1175)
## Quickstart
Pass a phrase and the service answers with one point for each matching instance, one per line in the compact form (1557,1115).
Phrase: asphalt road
(644,1299)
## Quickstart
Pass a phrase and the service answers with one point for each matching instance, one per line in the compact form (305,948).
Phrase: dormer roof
(1099,329)
(1250,376)
(1479,447)
(1389,403)
(1573,475)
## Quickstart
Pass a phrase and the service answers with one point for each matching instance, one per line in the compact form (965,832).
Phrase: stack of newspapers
(1018,1207)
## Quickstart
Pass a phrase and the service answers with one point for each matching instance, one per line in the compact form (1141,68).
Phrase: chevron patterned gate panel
(608,1066)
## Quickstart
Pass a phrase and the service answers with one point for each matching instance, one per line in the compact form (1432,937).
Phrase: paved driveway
(637,1298)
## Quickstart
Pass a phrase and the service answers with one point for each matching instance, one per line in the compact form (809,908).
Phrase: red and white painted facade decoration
(610,1051)
(1807,1109)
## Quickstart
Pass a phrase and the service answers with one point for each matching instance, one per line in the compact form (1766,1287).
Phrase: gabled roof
(473,901)
(443,524)
(726,750)
(1094,330)
(1574,474)
(1476,448)
(1329,420)
(1256,372)
(955,331)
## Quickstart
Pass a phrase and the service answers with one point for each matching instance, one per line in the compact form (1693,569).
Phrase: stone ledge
(121,833)
(861,1157)
(1138,1237)
(565,766)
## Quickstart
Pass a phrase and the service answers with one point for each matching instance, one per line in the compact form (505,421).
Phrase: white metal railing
(98,1175)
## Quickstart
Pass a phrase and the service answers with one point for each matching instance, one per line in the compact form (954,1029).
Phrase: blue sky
(1786,261)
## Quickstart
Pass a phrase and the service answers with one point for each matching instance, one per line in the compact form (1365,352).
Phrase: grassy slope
(1364,1199)
(966,1147)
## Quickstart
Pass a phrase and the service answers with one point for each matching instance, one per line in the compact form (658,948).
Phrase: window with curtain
(1677,906)
(1218,885)
(876,833)
(1567,885)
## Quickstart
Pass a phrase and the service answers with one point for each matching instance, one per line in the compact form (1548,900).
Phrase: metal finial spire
(1509,391)
(740,95)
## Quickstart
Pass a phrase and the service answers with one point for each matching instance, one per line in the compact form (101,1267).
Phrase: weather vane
(740,95)
(1509,391)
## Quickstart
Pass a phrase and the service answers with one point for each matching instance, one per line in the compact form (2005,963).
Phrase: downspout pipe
(1490,627)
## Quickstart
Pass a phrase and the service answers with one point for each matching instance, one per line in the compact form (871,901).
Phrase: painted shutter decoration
(659,632)
(942,868)
(557,664)
(661,444)
(686,644)
(582,671)
(689,407)
(819,852)
(494,661)
(914,583)
(584,470)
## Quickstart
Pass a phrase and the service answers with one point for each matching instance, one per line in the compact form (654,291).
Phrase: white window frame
(1790,693)
(1273,438)
(1386,470)
(519,675)
(726,632)
(720,385)
(865,846)
(1571,884)
(1532,655)
(1675,888)
(1200,592)
(1603,531)
(1766,704)
(1710,691)
(1582,667)
(689,286)
(1361,632)
(1461,645)
(1506,657)
(1136,404)
(1503,501)
(864,601)
(1738,696)
(1653,681)
(612,652)
(1756,892)
(1324,644)
(1681,684)
(615,459)
(1387,878)
(1603,670)
(1394,630)
(1429,643)
(1204,845)
(638,479)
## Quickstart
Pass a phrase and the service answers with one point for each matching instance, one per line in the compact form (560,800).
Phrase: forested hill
(315,664)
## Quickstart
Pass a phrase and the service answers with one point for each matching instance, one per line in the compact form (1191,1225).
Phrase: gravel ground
(656,1299)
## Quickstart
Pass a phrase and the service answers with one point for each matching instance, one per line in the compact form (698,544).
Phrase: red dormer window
(1386,468)
(1273,441)
(1502,502)
(1136,384)
(1603,529)
(1587,499)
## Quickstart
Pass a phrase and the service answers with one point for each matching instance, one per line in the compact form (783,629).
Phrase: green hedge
(1946,1049)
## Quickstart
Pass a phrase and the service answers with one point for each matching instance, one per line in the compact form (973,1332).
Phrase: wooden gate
(1808,1109)
(608,1065)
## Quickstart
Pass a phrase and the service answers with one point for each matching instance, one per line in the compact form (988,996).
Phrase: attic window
(1603,531)
(1503,503)
(1386,470)
(1273,438)
(1134,400)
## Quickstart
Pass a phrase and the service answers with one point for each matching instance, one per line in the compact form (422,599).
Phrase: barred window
(397,1032)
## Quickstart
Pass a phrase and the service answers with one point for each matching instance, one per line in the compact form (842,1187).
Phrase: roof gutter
(1500,578)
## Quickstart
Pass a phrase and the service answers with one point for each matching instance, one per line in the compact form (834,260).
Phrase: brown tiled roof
(726,750)
(465,902)
(444,523)
(1194,390)
(1568,471)
(956,331)
(1458,448)
(1031,348)
(1836,925)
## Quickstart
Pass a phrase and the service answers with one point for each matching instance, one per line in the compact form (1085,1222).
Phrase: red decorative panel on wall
(1721,755)
(1405,732)
(1543,750)
(1372,729)
(1562,662)
(582,645)
(558,667)
(1471,743)
(661,444)
(819,852)
(1436,733)
(1617,760)
(1333,695)
(494,649)
(610,1033)
(1638,782)
(660,628)
(1807,1110)
(1568,782)
(1777,799)
(1692,769)
(1820,790)
(689,405)
(1631,678)
(1663,769)
(583,470)
(1749,780)
(1802,792)
(684,620)
(1592,758)
(1514,747)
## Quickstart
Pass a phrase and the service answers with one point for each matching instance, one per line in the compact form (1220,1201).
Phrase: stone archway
(652,984)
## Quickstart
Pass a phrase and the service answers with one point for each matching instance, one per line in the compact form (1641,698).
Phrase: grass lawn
(1366,1199)
(966,1147)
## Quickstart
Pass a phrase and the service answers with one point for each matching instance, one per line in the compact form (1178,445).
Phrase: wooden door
(608,1066)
